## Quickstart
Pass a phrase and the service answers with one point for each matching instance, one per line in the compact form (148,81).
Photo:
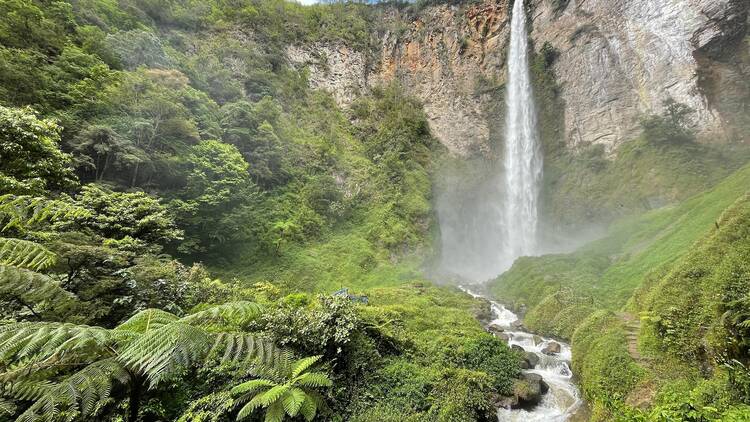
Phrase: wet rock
(517,348)
(532,359)
(537,339)
(495,328)
(517,324)
(505,402)
(502,336)
(544,386)
(552,348)
(528,391)
(483,311)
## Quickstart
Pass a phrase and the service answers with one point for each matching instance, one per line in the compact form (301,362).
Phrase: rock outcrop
(619,59)
(616,61)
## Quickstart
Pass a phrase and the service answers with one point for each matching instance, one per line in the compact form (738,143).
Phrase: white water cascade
(563,400)
(488,209)
(523,155)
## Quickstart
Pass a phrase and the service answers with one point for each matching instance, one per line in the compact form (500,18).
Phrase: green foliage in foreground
(286,387)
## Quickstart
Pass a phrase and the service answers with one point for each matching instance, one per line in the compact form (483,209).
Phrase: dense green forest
(190,232)
(178,206)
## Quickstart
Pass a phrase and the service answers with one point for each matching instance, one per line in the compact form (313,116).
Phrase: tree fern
(21,211)
(25,254)
(31,288)
(233,313)
(85,392)
(151,346)
(287,391)
(159,353)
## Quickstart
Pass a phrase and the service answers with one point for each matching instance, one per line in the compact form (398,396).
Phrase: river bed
(563,400)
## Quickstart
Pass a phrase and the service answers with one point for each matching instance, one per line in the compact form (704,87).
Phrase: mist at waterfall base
(488,212)
(469,200)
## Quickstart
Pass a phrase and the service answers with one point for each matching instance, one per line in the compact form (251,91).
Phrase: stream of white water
(563,399)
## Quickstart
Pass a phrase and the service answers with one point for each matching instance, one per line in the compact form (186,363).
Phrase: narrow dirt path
(632,327)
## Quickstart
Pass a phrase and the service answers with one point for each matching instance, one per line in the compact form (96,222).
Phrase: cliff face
(620,59)
(616,60)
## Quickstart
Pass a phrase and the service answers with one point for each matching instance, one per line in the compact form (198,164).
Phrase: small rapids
(563,399)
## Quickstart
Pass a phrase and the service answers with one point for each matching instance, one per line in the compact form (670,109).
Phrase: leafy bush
(31,161)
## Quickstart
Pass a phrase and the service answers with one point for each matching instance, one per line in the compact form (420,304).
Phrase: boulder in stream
(517,348)
(552,348)
(528,391)
(495,328)
(502,336)
(531,359)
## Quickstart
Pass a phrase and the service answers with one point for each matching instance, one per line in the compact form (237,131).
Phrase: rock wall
(617,60)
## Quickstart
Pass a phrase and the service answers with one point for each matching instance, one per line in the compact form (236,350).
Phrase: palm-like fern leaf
(86,392)
(292,401)
(252,386)
(286,390)
(313,379)
(25,254)
(28,347)
(7,408)
(234,313)
(243,348)
(309,407)
(303,364)
(31,287)
(275,412)
(159,353)
(147,319)
(20,211)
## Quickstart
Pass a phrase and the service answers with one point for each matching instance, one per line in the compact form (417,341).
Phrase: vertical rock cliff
(616,60)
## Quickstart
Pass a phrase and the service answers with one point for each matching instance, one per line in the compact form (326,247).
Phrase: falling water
(523,157)
(488,210)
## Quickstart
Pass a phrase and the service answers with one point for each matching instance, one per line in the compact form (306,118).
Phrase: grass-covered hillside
(177,207)
(654,309)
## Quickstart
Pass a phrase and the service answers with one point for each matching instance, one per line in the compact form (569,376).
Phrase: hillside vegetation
(680,270)
(177,207)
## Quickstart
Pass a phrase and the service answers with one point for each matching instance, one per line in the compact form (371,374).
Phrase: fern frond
(234,313)
(303,364)
(249,408)
(25,254)
(309,408)
(313,379)
(147,319)
(31,287)
(275,412)
(159,353)
(86,392)
(292,401)
(22,211)
(273,394)
(27,390)
(7,408)
(242,348)
(252,386)
(26,347)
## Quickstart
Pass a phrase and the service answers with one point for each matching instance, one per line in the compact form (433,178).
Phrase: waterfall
(487,208)
(523,156)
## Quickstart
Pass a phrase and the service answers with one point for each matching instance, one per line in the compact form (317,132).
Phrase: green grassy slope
(604,273)
(657,310)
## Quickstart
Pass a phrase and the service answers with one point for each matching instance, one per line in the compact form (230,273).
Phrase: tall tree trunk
(135,175)
(134,403)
